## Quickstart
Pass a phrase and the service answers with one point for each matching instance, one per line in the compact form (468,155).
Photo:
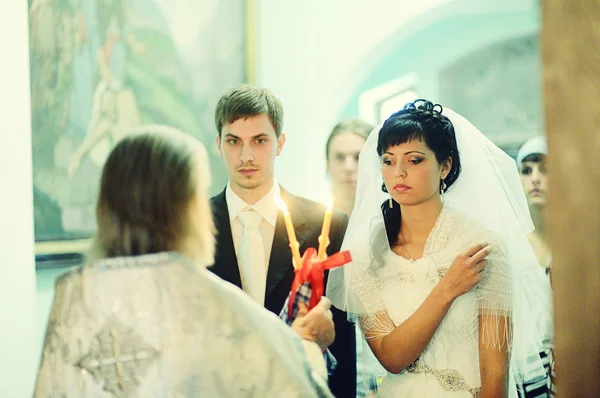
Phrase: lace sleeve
(369,308)
(376,326)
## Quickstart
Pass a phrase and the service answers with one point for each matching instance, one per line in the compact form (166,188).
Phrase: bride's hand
(466,271)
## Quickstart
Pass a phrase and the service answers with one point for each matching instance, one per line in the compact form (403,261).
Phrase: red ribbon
(313,272)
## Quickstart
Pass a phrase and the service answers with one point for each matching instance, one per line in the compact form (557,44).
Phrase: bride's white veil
(487,190)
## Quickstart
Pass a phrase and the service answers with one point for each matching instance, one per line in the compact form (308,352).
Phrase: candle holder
(309,282)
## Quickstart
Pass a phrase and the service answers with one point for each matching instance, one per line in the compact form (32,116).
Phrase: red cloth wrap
(313,272)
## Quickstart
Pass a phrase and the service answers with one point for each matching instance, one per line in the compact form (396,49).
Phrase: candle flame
(328,202)
(281,204)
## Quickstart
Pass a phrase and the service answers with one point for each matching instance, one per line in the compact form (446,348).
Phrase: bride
(441,260)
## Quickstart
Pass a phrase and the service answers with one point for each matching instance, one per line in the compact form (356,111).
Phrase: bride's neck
(418,221)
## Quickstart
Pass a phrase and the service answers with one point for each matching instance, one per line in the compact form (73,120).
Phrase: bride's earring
(391,203)
(443,188)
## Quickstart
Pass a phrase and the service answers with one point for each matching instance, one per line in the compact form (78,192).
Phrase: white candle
(294,245)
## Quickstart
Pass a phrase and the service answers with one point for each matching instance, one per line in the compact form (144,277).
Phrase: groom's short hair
(247,101)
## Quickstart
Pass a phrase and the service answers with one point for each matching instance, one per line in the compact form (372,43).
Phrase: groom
(252,248)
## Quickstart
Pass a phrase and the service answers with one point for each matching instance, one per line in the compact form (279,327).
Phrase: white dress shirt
(266,207)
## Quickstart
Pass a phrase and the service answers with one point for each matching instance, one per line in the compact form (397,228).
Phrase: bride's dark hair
(418,120)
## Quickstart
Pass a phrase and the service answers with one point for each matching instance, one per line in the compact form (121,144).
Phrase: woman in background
(531,160)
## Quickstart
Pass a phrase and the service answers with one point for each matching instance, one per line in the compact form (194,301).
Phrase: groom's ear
(218,141)
(280,143)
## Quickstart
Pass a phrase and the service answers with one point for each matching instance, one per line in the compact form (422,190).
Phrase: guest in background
(531,160)
(341,151)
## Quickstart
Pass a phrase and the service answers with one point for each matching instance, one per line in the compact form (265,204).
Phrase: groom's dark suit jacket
(307,217)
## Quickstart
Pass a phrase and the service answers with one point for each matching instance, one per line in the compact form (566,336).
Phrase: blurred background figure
(531,160)
(342,149)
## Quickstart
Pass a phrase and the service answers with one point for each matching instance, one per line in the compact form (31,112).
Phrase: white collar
(266,206)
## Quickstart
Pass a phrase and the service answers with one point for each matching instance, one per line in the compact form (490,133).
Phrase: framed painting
(101,67)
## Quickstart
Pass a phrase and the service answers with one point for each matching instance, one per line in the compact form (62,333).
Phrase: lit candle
(324,237)
(294,245)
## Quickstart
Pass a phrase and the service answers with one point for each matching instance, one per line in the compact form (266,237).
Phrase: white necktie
(251,257)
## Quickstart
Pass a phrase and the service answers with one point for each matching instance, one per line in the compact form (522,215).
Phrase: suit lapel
(226,265)
(280,262)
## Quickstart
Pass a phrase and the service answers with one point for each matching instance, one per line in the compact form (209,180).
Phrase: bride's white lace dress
(449,365)
(381,290)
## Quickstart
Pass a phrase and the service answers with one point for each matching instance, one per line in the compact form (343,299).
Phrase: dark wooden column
(571,58)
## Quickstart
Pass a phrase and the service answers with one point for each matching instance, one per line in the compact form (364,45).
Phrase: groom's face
(249,148)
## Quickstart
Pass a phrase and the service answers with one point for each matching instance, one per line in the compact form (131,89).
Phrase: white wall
(307,52)
(17,285)
(314,54)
